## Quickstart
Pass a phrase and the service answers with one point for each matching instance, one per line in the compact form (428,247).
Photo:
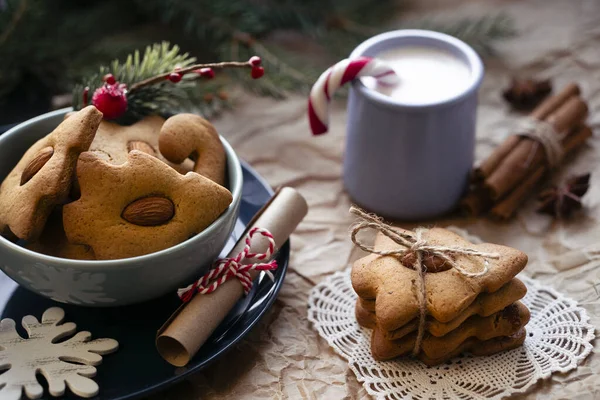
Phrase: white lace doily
(558,338)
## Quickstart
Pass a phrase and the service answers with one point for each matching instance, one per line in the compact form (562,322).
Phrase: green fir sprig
(43,58)
(483,33)
(162,98)
(51,41)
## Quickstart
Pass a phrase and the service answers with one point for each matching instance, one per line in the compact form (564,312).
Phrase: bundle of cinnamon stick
(503,181)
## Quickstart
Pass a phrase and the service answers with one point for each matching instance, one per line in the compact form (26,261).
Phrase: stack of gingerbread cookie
(465,312)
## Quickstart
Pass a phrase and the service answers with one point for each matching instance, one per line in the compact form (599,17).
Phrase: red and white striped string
(337,75)
(226,268)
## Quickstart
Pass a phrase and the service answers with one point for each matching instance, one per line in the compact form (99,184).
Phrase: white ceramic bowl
(111,282)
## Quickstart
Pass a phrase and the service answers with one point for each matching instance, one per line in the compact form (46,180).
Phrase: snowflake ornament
(62,363)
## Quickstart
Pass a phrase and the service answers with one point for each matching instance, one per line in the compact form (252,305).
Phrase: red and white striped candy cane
(337,75)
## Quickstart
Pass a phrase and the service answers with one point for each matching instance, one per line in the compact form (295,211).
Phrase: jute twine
(417,245)
(543,133)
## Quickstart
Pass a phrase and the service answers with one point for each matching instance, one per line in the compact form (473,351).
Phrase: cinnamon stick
(475,203)
(507,207)
(528,155)
(553,103)
(541,112)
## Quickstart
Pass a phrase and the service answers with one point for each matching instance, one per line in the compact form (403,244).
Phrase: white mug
(409,154)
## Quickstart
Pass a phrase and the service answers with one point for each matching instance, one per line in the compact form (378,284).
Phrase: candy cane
(337,75)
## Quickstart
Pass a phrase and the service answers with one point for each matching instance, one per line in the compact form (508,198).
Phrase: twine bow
(226,268)
(417,245)
(543,133)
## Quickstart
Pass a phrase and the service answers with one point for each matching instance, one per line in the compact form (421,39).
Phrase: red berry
(207,73)
(111,100)
(175,77)
(255,61)
(257,72)
(110,79)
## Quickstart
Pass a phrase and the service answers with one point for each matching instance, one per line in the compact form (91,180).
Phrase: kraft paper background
(284,357)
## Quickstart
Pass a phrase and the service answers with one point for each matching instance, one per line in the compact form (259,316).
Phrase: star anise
(560,201)
(525,94)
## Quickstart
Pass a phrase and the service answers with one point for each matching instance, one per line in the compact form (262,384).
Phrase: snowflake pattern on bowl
(66,285)
(558,339)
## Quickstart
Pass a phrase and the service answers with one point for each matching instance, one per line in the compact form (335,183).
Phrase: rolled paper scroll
(191,325)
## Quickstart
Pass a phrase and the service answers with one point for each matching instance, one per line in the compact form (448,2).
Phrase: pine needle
(481,33)
(165,98)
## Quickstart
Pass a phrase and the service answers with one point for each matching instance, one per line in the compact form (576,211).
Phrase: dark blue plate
(136,369)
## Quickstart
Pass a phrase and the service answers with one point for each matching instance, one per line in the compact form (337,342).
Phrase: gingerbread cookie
(504,323)
(113,142)
(139,207)
(43,177)
(185,136)
(53,241)
(448,292)
(479,348)
(368,318)
(484,305)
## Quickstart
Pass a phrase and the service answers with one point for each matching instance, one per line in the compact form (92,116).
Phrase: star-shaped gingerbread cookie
(393,285)
(504,323)
(484,305)
(43,177)
(139,207)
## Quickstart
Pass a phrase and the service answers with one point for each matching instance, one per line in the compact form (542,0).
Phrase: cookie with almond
(139,207)
(391,283)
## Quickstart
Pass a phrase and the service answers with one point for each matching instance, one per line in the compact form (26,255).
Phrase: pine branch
(14,21)
(162,97)
(237,28)
(111,47)
(37,47)
(480,33)
(365,13)
(156,59)
(33,45)
(287,72)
